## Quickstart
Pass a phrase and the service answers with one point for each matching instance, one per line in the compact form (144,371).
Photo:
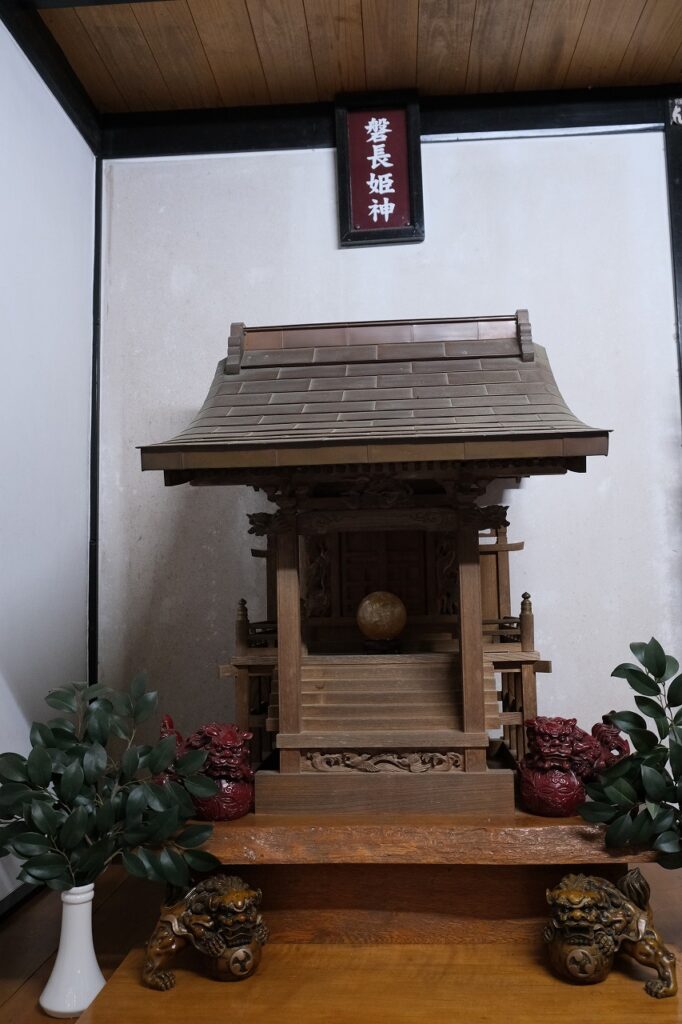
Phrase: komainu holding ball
(593,919)
(220,918)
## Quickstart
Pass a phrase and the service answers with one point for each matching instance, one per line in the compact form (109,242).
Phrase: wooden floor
(387,984)
(125,912)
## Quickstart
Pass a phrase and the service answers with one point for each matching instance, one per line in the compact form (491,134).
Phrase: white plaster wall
(574,228)
(46,254)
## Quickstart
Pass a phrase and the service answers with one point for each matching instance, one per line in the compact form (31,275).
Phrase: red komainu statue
(561,757)
(227,763)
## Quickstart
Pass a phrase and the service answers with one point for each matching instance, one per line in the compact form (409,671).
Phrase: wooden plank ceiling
(175,54)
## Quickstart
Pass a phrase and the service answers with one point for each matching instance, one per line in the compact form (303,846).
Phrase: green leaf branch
(638,799)
(75,804)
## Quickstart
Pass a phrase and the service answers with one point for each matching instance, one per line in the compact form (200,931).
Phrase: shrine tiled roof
(352,384)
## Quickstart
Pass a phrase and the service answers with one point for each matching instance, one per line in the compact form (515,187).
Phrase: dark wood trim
(558,109)
(224,130)
(673,154)
(40,47)
(51,5)
(311,125)
(93,544)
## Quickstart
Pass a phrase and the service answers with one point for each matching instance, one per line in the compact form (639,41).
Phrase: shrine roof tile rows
(425,380)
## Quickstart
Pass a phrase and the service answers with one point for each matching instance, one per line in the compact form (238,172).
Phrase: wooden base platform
(126,908)
(516,838)
(375,984)
(409,903)
(449,792)
(409,878)
(373,919)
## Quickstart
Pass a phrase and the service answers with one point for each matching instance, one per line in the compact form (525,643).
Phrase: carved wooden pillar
(241,628)
(471,640)
(242,700)
(527,624)
(529,701)
(289,644)
(503,588)
(271,581)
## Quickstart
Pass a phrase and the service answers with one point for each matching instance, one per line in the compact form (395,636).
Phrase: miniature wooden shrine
(510,660)
(376,443)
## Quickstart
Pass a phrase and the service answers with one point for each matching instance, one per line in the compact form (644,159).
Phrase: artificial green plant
(639,798)
(88,794)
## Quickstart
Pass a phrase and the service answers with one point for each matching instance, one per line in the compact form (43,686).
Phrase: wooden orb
(381,616)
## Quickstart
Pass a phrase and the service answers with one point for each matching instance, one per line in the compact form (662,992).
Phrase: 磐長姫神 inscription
(382,184)
(377,147)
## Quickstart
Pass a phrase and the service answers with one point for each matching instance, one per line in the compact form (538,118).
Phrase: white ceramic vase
(76,978)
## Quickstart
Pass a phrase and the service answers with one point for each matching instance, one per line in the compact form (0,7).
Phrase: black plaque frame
(414,232)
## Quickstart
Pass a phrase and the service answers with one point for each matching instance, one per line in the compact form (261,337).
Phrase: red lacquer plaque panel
(379,176)
(379,173)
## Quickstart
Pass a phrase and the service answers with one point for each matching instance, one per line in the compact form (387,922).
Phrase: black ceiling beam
(52,5)
(311,125)
(306,126)
(541,111)
(40,47)
(225,130)
(673,155)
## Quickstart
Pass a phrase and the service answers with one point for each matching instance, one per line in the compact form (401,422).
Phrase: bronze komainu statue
(593,919)
(220,918)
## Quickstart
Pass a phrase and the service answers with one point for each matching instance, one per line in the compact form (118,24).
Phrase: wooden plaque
(379,170)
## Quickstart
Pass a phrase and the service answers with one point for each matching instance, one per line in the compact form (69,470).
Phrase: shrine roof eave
(540,446)
(458,390)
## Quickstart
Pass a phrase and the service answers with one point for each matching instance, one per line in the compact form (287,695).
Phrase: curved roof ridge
(417,381)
